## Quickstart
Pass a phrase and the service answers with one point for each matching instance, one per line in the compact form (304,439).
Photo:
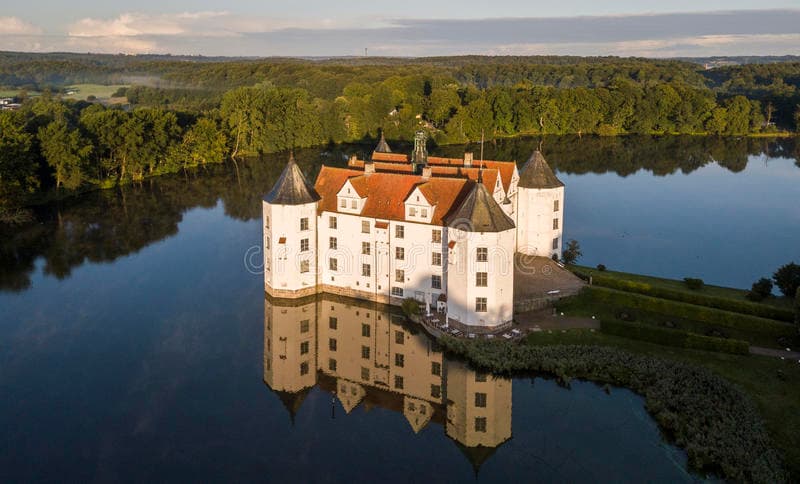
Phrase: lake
(136,345)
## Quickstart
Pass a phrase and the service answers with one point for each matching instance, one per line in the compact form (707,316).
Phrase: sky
(674,28)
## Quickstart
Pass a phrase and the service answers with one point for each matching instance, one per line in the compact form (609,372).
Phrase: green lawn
(676,285)
(97,90)
(15,92)
(772,383)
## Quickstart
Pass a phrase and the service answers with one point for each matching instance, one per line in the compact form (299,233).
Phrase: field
(82,91)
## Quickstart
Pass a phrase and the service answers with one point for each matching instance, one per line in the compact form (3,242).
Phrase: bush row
(712,419)
(673,337)
(694,312)
(744,307)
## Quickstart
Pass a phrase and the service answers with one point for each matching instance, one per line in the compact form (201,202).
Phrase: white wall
(535,216)
(282,261)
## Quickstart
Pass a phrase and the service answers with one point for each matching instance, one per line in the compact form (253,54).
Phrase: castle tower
(290,235)
(480,272)
(419,158)
(540,209)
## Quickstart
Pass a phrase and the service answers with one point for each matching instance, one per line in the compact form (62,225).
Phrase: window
(399,231)
(399,360)
(399,275)
(480,377)
(436,259)
(304,223)
(480,304)
(398,382)
(423,213)
(333,243)
(399,337)
(482,255)
(397,291)
(304,347)
(342,203)
(481,279)
(412,212)
(365,330)
(555,206)
(332,364)
(303,245)
(332,223)
(436,282)
(266,222)
(365,352)
(399,253)
(353,204)
(436,391)
(364,373)
(555,224)
(304,326)
(365,226)
(333,264)
(366,270)
(304,368)
(304,266)
(555,243)
(436,235)
(480,399)
(332,344)
(365,248)
(333,323)
(266,242)
(436,368)
(480,424)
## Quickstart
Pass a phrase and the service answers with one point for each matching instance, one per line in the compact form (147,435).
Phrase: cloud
(757,32)
(17,26)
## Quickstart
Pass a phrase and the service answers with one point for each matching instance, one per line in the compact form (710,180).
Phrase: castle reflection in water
(366,354)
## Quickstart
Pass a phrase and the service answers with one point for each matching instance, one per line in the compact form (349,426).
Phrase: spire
(419,157)
(292,188)
(536,173)
(383,146)
(292,401)
(479,212)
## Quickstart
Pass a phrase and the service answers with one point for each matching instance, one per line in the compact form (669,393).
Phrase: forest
(181,112)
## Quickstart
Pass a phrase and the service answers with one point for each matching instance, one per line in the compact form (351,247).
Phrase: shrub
(745,307)
(717,424)
(572,253)
(410,307)
(693,283)
(674,337)
(787,278)
(760,290)
(610,297)
(601,267)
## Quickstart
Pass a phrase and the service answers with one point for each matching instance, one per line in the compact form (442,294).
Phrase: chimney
(426,172)
(467,160)
(352,160)
(369,168)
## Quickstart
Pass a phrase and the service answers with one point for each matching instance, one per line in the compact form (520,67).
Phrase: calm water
(135,345)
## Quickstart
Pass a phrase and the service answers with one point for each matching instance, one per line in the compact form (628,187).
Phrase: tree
(205,143)
(787,278)
(572,253)
(66,151)
(760,290)
(17,164)
(797,306)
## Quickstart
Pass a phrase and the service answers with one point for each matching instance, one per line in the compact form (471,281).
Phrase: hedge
(673,337)
(690,311)
(712,419)
(698,298)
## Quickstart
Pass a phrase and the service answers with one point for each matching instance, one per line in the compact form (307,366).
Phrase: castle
(443,231)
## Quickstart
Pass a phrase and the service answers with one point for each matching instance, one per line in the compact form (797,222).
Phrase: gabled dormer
(512,187)
(349,200)
(418,207)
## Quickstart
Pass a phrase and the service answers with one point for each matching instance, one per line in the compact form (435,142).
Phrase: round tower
(540,209)
(290,235)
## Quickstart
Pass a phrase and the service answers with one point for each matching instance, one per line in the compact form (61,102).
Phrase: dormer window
(343,203)
(354,204)
(424,213)
(412,211)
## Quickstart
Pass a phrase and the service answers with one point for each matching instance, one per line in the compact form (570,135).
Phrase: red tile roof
(386,192)
(489,174)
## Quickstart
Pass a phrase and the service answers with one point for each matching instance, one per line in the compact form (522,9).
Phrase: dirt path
(543,319)
(782,354)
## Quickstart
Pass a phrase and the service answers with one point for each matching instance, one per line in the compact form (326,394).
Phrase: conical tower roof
(293,401)
(383,146)
(479,212)
(536,173)
(292,188)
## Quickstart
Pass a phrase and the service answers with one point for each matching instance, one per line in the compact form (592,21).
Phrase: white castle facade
(443,231)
